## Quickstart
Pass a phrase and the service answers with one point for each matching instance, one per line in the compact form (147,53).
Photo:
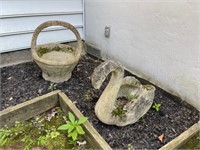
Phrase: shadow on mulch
(23,82)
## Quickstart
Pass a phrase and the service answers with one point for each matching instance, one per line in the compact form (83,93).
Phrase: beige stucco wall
(157,40)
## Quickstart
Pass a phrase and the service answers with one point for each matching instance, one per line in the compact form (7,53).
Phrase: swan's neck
(113,86)
(106,102)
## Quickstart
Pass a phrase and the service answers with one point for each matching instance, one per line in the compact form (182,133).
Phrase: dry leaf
(161,137)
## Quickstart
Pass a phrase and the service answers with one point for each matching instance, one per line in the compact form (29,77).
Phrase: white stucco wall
(156,40)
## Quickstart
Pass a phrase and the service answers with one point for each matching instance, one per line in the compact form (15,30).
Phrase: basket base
(56,79)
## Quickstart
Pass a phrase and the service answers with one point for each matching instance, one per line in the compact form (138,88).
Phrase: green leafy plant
(73,127)
(43,50)
(130,147)
(42,140)
(52,86)
(156,106)
(120,107)
(88,96)
(4,136)
(28,142)
(8,134)
(119,111)
(52,133)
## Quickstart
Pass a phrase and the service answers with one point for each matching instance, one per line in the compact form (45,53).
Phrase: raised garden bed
(24,81)
(41,104)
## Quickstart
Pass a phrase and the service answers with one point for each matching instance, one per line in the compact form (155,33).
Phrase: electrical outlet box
(107,32)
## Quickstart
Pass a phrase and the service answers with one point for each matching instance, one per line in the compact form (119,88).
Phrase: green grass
(43,50)
(38,131)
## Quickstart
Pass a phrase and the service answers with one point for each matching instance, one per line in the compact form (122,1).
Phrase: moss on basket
(43,50)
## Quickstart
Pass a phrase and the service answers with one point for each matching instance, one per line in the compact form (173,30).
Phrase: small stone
(9,78)
(110,135)
(81,143)
(40,91)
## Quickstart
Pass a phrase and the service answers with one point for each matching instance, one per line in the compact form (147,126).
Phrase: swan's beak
(95,83)
(96,87)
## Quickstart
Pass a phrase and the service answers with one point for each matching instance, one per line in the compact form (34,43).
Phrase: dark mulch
(24,81)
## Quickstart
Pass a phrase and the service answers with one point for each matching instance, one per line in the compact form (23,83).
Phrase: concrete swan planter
(136,98)
(43,103)
(56,60)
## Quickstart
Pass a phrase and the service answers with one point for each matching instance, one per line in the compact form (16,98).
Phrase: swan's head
(96,84)
(97,79)
(101,72)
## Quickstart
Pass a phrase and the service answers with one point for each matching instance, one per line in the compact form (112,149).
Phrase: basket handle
(56,23)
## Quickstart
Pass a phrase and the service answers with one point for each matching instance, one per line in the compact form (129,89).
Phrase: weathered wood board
(28,109)
(182,138)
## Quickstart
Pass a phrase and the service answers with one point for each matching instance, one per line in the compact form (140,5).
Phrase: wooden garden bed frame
(45,102)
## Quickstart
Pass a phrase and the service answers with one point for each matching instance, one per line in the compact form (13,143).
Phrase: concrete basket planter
(56,60)
(29,109)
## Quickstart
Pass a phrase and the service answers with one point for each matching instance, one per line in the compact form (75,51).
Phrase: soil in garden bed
(24,81)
